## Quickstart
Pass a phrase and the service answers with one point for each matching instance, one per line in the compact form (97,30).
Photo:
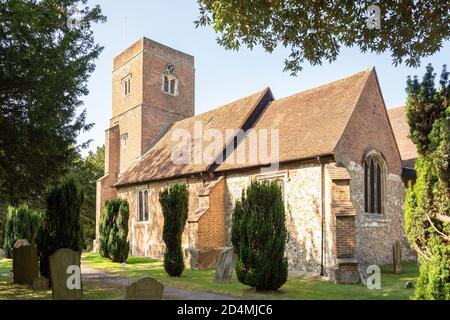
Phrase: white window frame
(170,78)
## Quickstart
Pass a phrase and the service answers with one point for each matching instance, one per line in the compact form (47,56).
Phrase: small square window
(124,140)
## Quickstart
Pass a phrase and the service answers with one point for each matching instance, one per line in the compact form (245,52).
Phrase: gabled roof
(407,148)
(157,162)
(310,123)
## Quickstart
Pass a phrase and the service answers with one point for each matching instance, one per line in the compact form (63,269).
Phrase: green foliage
(113,242)
(118,246)
(60,226)
(86,171)
(434,279)
(259,237)
(175,207)
(316,31)
(44,69)
(427,209)
(21,223)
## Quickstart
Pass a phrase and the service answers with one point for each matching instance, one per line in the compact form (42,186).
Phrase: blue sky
(221,76)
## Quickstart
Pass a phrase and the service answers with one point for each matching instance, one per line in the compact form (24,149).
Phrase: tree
(315,31)
(175,207)
(44,68)
(118,246)
(427,210)
(21,223)
(86,171)
(60,227)
(259,237)
(108,220)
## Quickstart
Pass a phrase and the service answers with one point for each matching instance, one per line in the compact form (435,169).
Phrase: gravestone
(397,257)
(40,284)
(65,275)
(2,254)
(144,289)
(22,243)
(226,265)
(25,265)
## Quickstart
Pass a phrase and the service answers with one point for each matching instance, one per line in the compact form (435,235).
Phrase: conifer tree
(427,209)
(259,237)
(175,206)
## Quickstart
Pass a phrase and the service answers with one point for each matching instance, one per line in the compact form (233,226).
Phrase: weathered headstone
(2,254)
(65,275)
(22,243)
(226,265)
(144,289)
(397,255)
(40,284)
(25,265)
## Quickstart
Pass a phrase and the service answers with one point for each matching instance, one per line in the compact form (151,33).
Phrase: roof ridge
(368,71)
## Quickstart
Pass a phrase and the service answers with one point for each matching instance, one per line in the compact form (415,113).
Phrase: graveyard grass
(8,291)
(393,286)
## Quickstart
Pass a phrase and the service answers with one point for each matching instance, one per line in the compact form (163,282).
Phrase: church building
(334,151)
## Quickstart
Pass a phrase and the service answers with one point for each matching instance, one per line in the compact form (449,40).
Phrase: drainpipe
(322,206)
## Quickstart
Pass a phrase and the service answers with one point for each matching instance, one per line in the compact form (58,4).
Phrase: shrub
(175,206)
(434,278)
(259,237)
(108,220)
(118,246)
(427,209)
(21,223)
(60,227)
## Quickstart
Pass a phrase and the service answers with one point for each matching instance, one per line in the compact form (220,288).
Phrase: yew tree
(427,220)
(47,53)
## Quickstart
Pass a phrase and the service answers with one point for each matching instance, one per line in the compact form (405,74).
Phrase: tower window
(170,85)
(374,169)
(127,86)
(169,80)
(124,140)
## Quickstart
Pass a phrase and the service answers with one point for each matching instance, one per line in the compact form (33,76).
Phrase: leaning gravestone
(144,289)
(65,275)
(397,255)
(25,263)
(226,265)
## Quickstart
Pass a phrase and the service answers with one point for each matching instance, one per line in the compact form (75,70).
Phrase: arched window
(374,179)
(170,80)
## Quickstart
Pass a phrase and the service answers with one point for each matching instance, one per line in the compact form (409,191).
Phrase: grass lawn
(8,291)
(393,286)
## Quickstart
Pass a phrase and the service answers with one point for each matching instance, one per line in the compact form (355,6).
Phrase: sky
(221,76)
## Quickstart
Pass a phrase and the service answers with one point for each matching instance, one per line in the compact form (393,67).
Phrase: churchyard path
(170,292)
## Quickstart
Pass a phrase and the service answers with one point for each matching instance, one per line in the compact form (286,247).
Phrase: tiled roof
(157,162)
(407,148)
(310,123)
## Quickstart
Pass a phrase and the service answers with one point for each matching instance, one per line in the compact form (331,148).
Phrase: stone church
(342,162)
